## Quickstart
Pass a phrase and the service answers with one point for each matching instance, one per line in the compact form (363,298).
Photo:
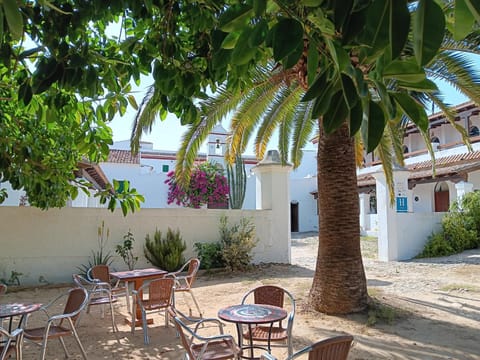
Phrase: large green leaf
(340,57)
(464,20)
(235,17)
(349,91)
(316,88)
(312,61)
(14,18)
(428,30)
(356,117)
(373,126)
(474,7)
(336,114)
(342,11)
(399,26)
(404,70)
(322,102)
(426,85)
(258,34)
(287,34)
(376,31)
(412,109)
(243,53)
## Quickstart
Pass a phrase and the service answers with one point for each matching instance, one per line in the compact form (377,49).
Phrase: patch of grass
(368,238)
(460,287)
(381,313)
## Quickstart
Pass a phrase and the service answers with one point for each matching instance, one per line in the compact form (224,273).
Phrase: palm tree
(374,102)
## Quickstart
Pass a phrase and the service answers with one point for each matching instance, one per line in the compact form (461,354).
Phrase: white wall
(53,243)
(414,229)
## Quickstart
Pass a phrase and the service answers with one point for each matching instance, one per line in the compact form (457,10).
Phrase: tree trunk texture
(339,284)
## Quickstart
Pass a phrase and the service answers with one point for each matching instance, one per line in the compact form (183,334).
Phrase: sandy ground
(426,309)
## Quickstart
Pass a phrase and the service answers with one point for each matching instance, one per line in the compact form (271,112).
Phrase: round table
(17,309)
(249,314)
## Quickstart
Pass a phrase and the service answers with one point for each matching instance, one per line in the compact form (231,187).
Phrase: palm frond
(304,126)
(145,117)
(279,114)
(384,152)
(459,71)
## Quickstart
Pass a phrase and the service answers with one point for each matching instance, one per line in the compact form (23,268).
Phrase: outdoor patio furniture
(199,347)
(99,293)
(160,293)
(60,325)
(276,334)
(11,343)
(184,279)
(118,287)
(334,348)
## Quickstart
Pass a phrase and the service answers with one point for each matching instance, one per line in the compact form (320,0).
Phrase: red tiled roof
(123,157)
(457,165)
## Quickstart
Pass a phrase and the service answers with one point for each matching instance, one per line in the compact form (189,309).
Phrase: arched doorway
(442,197)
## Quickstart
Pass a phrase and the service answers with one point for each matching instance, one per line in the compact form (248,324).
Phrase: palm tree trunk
(339,284)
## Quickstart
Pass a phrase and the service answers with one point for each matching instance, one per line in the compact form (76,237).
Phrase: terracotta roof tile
(123,157)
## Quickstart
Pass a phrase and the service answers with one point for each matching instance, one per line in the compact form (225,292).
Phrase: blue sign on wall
(402,204)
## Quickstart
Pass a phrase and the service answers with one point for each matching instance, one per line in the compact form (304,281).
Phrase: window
(373,203)
(473,131)
(405,149)
(435,140)
(165,168)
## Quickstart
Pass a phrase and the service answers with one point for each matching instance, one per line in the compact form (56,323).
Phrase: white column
(273,193)
(364,207)
(388,216)
(463,188)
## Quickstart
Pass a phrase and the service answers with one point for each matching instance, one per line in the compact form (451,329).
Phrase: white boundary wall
(52,244)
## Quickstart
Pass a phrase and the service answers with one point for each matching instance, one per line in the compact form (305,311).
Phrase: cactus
(237,182)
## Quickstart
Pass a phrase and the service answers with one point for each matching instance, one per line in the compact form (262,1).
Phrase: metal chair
(198,347)
(102,274)
(334,348)
(60,325)
(99,293)
(160,293)
(184,279)
(279,335)
(11,343)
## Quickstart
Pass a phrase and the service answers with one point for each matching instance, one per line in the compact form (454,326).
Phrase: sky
(167,134)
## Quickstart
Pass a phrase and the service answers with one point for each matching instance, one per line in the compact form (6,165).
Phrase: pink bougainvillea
(207,185)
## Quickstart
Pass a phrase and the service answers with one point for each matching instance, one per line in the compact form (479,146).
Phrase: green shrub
(436,245)
(460,229)
(125,250)
(210,255)
(237,242)
(165,253)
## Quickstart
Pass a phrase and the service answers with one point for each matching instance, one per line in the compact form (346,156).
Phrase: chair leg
(132,327)
(127,295)
(67,355)
(84,354)
(146,339)
(44,348)
(114,325)
(196,303)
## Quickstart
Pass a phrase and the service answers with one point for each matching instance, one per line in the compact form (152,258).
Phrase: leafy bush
(210,255)
(165,253)
(237,242)
(460,229)
(125,250)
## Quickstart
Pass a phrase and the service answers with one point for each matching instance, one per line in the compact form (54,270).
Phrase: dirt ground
(424,309)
